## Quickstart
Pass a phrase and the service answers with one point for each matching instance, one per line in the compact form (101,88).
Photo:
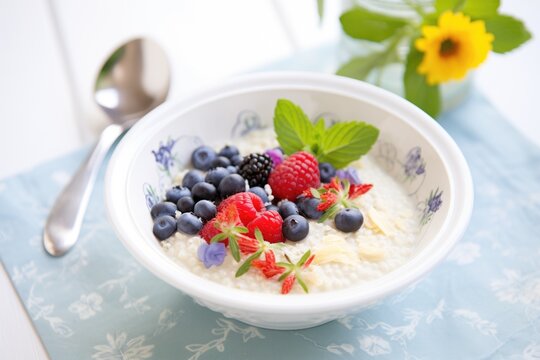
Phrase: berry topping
(202,157)
(229,151)
(287,208)
(232,169)
(310,208)
(205,209)
(349,220)
(259,191)
(295,228)
(335,196)
(164,227)
(192,177)
(220,161)
(229,229)
(247,204)
(269,223)
(297,173)
(175,193)
(231,184)
(204,191)
(163,208)
(236,160)
(255,168)
(215,176)
(185,204)
(327,172)
(189,224)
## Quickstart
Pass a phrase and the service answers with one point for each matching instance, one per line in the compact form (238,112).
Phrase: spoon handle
(64,222)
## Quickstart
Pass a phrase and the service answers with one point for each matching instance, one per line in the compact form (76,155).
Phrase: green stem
(417,8)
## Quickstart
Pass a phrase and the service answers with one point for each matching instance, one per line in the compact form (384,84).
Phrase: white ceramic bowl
(411,145)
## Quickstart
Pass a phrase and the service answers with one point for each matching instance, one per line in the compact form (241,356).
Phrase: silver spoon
(133,81)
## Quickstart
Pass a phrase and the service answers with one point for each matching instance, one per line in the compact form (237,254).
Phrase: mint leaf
(481,8)
(361,23)
(509,32)
(345,142)
(293,129)
(417,90)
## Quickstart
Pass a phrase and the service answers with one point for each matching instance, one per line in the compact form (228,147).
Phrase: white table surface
(509,81)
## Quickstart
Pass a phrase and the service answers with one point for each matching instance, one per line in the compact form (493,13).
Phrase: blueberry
(163,208)
(349,220)
(327,172)
(192,177)
(204,191)
(272,207)
(231,184)
(202,157)
(164,227)
(237,160)
(287,208)
(185,204)
(215,176)
(175,193)
(229,151)
(205,209)
(259,191)
(189,224)
(308,207)
(232,169)
(295,227)
(220,161)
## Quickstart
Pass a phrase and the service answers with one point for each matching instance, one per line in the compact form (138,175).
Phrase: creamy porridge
(386,239)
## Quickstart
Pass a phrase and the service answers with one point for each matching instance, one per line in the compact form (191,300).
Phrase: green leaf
(329,213)
(509,32)
(453,5)
(361,23)
(293,129)
(304,258)
(284,275)
(481,8)
(347,141)
(360,67)
(302,283)
(241,229)
(218,237)
(258,235)
(233,245)
(247,264)
(417,90)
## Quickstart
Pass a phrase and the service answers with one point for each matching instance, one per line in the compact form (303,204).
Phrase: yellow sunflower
(453,47)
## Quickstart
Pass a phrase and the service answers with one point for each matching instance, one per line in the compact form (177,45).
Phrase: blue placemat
(482,302)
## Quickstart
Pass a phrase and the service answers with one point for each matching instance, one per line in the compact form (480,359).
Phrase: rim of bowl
(452,229)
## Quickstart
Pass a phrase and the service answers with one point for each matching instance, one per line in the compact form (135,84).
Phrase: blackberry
(255,168)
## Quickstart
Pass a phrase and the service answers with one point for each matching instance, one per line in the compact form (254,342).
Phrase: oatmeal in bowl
(289,200)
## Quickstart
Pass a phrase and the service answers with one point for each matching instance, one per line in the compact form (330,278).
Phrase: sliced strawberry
(247,203)
(269,223)
(210,230)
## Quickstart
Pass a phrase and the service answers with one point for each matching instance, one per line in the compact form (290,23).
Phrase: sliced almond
(333,249)
(370,253)
(378,221)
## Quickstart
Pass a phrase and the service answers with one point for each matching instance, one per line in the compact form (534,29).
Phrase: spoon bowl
(133,80)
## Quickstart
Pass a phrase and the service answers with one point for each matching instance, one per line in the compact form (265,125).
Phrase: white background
(50,51)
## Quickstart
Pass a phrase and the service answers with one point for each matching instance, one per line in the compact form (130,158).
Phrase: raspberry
(247,203)
(269,223)
(297,173)
(255,168)
(209,230)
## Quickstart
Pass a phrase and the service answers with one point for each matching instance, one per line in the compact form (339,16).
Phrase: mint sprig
(339,144)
